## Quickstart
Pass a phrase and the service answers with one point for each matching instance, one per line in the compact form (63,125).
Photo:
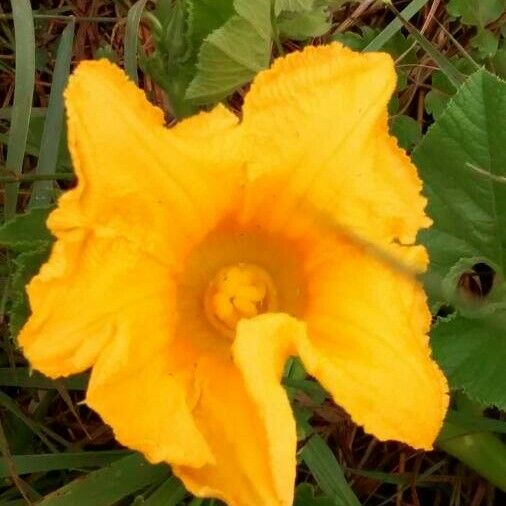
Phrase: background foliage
(449,110)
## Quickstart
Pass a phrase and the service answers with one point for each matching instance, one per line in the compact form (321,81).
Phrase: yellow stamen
(239,291)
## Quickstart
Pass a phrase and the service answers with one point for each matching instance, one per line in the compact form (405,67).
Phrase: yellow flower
(191,262)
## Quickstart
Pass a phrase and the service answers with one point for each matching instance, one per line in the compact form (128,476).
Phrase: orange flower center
(239,291)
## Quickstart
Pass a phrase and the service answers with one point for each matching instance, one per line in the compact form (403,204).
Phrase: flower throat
(239,291)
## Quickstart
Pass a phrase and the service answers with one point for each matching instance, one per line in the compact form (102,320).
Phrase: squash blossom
(191,262)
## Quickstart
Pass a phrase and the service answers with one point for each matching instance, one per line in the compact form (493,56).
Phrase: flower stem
(484,452)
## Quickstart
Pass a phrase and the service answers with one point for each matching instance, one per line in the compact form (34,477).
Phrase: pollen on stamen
(236,292)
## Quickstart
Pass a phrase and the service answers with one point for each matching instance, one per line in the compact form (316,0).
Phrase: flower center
(239,291)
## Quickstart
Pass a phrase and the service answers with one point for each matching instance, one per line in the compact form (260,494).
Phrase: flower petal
(103,303)
(316,124)
(260,350)
(367,326)
(87,287)
(135,175)
(246,418)
(146,406)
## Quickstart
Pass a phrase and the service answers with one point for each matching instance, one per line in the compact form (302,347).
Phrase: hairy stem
(484,452)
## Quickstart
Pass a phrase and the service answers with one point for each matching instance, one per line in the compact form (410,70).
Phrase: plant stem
(482,451)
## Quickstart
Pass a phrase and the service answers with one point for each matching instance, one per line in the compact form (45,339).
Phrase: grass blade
(391,29)
(50,142)
(132,40)
(37,428)
(23,96)
(25,378)
(109,484)
(451,72)
(169,493)
(43,463)
(327,472)
(37,112)
(8,465)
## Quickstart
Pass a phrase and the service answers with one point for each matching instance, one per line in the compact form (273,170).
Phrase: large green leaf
(233,54)
(472,352)
(181,29)
(26,231)
(463,164)
(205,16)
(27,265)
(407,130)
(28,236)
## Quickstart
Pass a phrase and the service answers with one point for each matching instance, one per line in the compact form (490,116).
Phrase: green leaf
(305,496)
(292,5)
(26,230)
(258,14)
(397,45)
(438,97)
(174,78)
(304,25)
(443,89)
(472,353)
(178,35)
(407,130)
(327,472)
(486,43)
(27,235)
(105,50)
(353,40)
(233,54)
(27,265)
(110,484)
(462,162)
(205,16)
(476,12)
(175,34)
(163,9)
(499,63)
